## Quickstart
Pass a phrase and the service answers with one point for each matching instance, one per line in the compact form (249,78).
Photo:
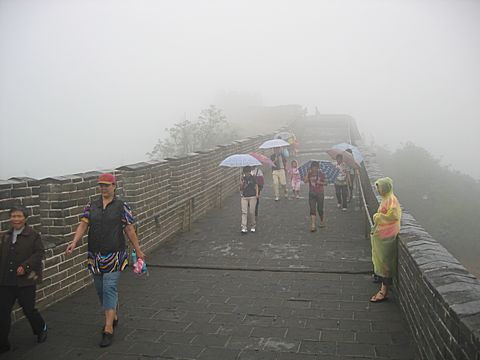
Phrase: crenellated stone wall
(166,197)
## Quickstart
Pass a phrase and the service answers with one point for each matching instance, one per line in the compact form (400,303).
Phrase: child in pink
(295,178)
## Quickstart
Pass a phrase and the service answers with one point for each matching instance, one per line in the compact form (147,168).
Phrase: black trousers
(342,195)
(258,202)
(26,298)
(315,201)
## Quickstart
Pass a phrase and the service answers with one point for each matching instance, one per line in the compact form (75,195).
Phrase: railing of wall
(361,193)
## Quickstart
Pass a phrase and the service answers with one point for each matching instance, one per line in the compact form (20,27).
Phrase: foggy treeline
(240,116)
(444,201)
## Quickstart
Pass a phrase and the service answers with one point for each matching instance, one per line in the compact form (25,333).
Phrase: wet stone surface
(281,293)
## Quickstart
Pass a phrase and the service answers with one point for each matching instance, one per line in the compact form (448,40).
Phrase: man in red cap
(107,219)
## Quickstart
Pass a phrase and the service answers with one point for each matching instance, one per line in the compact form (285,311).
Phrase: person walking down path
(341,183)
(260,179)
(278,173)
(248,199)
(295,179)
(352,172)
(107,218)
(316,181)
(384,237)
(21,255)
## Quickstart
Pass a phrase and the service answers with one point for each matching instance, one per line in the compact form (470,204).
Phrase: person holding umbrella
(258,173)
(260,179)
(108,219)
(316,181)
(341,183)
(278,172)
(352,172)
(384,237)
(248,199)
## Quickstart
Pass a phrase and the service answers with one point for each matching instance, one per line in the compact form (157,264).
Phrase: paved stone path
(212,293)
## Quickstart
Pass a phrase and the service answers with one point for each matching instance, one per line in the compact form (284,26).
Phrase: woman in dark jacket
(21,254)
(107,219)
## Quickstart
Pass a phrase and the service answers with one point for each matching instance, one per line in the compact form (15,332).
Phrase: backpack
(260,180)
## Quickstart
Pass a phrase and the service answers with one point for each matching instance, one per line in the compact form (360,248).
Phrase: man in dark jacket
(21,254)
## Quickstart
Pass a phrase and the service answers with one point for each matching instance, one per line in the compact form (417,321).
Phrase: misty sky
(89,84)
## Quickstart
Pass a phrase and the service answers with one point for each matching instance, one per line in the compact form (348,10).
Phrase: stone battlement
(166,197)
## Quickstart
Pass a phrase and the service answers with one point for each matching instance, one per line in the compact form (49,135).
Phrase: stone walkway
(212,293)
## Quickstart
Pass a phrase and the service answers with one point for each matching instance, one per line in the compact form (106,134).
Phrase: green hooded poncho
(385,230)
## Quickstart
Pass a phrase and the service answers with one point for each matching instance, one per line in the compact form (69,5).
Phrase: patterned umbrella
(240,160)
(347,157)
(329,169)
(262,158)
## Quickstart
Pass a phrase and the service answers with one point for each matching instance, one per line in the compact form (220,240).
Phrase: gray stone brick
(257,355)
(244,343)
(317,347)
(140,335)
(215,353)
(356,325)
(360,350)
(210,340)
(337,335)
(182,351)
(267,332)
(295,333)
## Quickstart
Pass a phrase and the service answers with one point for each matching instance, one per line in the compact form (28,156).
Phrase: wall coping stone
(135,166)
(182,157)
(22,179)
(62,179)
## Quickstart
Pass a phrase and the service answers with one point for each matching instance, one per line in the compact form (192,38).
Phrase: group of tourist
(386,220)
(107,219)
(250,187)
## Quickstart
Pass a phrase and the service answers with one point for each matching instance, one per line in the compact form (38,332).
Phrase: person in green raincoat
(384,237)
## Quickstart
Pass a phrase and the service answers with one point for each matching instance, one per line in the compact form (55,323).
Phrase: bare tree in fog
(210,128)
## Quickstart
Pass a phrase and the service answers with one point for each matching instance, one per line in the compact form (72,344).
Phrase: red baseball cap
(106,179)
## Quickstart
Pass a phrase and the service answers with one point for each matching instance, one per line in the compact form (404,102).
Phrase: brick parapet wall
(166,196)
(20,190)
(439,298)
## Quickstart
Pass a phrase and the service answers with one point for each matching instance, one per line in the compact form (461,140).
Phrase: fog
(92,84)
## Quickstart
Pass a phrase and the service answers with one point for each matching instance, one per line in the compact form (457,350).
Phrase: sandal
(375,298)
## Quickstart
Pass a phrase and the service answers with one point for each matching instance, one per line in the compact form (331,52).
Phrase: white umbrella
(284,135)
(240,160)
(355,151)
(269,144)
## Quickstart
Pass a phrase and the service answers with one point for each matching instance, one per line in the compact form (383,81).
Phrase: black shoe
(42,336)
(4,348)
(107,339)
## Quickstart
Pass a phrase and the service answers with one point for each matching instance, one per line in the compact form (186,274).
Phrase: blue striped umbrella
(329,169)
